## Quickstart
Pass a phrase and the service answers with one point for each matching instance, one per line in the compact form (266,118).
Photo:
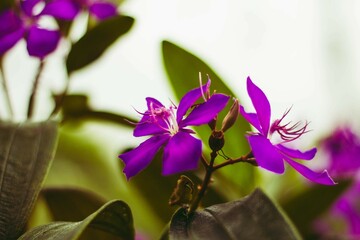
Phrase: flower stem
(209,170)
(60,100)
(245,159)
(35,90)
(6,91)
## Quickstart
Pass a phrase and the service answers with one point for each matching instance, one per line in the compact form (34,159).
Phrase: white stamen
(166,114)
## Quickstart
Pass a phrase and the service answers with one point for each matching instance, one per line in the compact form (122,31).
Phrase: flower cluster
(23,21)
(167,127)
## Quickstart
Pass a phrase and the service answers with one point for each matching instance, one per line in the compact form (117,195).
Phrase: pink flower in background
(342,148)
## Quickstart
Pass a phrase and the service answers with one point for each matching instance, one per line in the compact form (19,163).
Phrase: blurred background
(303,54)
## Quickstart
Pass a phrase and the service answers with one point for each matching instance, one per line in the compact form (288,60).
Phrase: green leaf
(71,204)
(94,43)
(76,107)
(26,152)
(303,209)
(6,4)
(182,69)
(113,220)
(253,217)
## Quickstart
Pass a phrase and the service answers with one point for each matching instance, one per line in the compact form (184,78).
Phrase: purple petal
(350,212)
(13,22)
(252,118)
(11,32)
(189,99)
(206,111)
(294,153)
(182,153)
(27,6)
(321,178)
(140,157)
(62,9)
(151,125)
(147,126)
(103,10)
(41,42)
(153,103)
(266,155)
(261,105)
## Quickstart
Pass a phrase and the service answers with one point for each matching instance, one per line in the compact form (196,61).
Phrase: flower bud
(231,116)
(183,192)
(216,140)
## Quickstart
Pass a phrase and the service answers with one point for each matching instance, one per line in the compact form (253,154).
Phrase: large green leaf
(303,209)
(26,153)
(253,217)
(112,221)
(87,159)
(183,68)
(94,43)
(71,204)
(76,107)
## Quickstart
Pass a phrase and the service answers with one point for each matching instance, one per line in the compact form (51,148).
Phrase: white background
(303,54)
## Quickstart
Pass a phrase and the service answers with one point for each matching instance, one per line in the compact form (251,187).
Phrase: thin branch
(35,89)
(6,91)
(204,185)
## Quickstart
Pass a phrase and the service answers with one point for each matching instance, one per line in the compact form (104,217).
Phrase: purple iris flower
(69,9)
(272,156)
(343,150)
(167,126)
(23,23)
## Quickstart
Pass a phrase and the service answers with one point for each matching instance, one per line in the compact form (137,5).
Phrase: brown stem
(35,90)
(243,159)
(209,170)
(6,91)
(204,161)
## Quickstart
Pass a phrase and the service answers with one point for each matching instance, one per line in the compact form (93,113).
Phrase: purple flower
(343,219)
(272,156)
(343,150)
(168,129)
(69,9)
(23,23)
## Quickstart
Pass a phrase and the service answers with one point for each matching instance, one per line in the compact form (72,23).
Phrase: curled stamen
(287,131)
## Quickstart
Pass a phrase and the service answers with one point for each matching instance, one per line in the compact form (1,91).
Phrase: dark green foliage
(303,209)
(96,41)
(253,217)
(111,221)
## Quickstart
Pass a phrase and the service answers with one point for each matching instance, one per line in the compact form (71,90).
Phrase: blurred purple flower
(269,155)
(348,207)
(168,129)
(342,221)
(22,22)
(69,9)
(343,150)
